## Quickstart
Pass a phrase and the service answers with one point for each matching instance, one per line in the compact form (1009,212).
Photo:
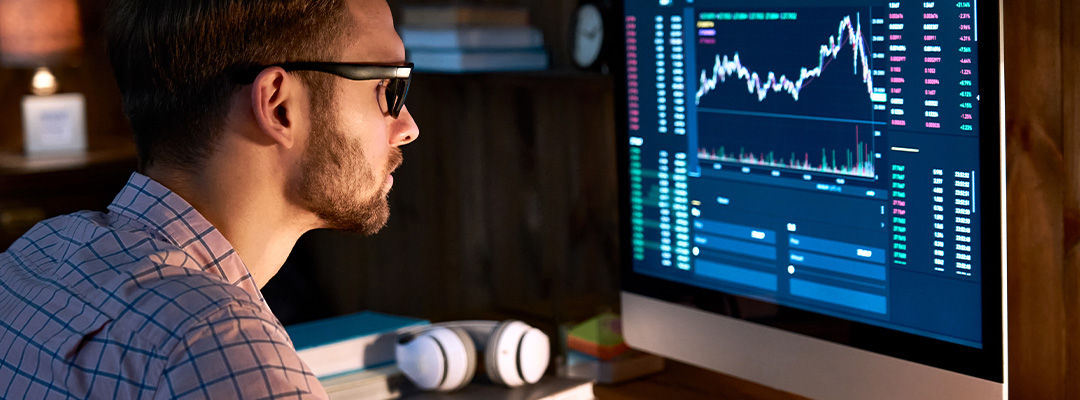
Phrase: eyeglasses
(398,76)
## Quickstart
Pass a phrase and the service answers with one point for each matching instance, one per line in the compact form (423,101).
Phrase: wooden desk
(677,381)
(684,381)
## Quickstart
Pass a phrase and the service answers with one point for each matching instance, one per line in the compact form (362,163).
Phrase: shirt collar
(148,202)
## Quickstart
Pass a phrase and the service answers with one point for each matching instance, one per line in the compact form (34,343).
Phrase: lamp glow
(40,34)
(44,82)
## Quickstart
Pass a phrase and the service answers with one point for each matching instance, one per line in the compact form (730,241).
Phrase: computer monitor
(812,192)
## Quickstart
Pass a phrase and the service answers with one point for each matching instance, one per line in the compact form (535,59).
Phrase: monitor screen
(831,169)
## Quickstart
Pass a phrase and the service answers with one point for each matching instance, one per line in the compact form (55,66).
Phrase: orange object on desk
(600,337)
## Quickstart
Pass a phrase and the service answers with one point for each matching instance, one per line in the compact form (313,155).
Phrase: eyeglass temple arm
(355,72)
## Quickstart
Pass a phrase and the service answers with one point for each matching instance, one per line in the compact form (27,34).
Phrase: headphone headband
(470,326)
(459,324)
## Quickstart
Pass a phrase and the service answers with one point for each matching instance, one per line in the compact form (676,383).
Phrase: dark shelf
(18,164)
(35,188)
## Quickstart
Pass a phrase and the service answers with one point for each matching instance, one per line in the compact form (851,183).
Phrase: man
(250,132)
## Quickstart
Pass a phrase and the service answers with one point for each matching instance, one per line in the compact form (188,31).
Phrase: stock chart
(821,156)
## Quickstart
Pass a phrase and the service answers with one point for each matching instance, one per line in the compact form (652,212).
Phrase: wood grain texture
(506,202)
(1042,195)
(1070,86)
(683,381)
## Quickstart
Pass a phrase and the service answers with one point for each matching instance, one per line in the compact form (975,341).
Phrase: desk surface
(684,381)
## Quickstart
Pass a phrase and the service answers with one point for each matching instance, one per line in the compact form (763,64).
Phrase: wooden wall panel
(1043,181)
(507,202)
(1070,86)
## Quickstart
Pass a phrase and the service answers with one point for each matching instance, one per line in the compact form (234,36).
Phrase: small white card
(54,124)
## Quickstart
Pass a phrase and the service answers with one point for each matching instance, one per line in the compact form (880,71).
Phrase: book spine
(349,355)
(462,61)
(472,38)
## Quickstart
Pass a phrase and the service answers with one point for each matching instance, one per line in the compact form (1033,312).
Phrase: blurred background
(507,205)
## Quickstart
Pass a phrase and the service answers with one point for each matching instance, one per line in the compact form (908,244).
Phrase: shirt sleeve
(237,353)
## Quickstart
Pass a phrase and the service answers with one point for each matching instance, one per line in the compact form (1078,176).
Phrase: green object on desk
(600,337)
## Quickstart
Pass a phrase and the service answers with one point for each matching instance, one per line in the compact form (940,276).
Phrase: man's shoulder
(124,271)
(91,294)
(59,239)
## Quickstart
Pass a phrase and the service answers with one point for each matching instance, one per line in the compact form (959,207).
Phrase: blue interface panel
(819,156)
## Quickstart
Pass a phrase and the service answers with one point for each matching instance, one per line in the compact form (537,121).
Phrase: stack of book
(623,367)
(465,38)
(353,355)
(598,351)
(386,382)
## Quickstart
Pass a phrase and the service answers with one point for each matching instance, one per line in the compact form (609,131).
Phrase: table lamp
(39,34)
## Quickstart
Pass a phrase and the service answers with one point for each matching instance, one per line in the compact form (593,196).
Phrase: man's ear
(274,103)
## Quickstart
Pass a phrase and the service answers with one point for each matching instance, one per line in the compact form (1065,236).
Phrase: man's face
(344,175)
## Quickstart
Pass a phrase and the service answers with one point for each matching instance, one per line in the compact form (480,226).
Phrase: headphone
(443,356)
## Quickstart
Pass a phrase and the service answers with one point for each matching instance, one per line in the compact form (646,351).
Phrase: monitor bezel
(985,363)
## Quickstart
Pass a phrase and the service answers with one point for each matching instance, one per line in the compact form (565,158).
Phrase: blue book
(347,343)
(479,61)
(472,38)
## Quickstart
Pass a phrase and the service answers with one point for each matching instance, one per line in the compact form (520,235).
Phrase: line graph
(849,34)
(789,89)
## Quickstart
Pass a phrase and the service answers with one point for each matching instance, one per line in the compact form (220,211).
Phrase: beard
(336,182)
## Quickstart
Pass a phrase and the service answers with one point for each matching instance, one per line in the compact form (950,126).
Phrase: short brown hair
(176,62)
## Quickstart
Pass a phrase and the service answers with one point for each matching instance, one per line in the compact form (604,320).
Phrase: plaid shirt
(146,301)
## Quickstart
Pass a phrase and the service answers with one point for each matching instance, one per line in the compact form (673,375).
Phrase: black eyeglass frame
(399,75)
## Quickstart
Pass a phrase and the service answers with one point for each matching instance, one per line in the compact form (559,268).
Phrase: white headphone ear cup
(439,358)
(512,346)
(491,367)
(421,359)
(534,353)
(470,358)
